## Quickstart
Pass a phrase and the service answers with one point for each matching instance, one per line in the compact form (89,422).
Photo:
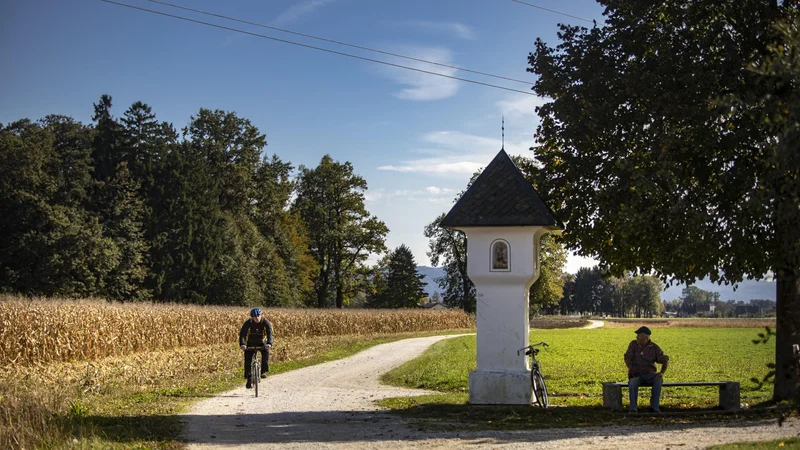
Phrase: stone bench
(728,393)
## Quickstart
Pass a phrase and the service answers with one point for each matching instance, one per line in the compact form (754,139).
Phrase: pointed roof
(501,196)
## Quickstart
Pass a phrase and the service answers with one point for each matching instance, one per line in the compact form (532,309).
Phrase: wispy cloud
(433,194)
(424,86)
(457,153)
(301,9)
(456,29)
(520,107)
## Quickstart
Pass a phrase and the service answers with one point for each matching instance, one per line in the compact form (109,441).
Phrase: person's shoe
(654,411)
(632,411)
(249,385)
(263,375)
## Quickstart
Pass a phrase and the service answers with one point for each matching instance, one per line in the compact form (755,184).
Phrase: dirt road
(331,406)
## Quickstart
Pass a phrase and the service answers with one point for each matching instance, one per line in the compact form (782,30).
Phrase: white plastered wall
(502,375)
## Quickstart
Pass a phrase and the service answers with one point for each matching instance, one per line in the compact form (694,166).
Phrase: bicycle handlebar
(543,344)
(256,348)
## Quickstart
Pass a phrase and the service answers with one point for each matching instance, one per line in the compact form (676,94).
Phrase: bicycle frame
(255,367)
(537,380)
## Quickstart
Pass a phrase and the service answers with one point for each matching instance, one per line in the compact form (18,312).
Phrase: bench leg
(729,396)
(612,396)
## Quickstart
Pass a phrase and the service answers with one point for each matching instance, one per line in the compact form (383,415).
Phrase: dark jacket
(256,334)
(642,359)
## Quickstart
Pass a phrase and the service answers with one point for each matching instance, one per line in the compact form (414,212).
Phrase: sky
(416,138)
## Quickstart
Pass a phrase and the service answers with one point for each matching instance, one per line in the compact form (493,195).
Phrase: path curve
(594,324)
(331,406)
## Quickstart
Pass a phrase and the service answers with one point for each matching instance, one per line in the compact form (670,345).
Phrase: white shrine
(503,218)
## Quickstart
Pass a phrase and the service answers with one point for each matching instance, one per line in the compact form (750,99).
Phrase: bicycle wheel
(255,373)
(539,388)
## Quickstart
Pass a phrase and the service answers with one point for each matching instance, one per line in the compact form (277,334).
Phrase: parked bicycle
(255,367)
(537,381)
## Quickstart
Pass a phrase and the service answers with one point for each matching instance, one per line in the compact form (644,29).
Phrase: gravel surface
(331,406)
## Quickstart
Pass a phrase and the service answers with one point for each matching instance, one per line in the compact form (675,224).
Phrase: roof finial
(503,132)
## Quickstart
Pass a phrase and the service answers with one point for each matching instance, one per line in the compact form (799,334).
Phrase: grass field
(579,361)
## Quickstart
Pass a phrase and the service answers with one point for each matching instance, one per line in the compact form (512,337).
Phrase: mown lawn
(579,361)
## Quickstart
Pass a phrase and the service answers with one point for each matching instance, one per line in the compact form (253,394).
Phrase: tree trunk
(339,296)
(787,271)
(788,312)
(322,290)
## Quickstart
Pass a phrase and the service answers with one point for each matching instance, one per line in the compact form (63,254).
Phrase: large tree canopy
(669,144)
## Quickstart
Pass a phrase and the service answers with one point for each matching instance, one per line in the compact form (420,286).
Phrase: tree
(341,232)
(449,247)
(402,285)
(49,243)
(549,287)
(117,202)
(189,231)
(693,296)
(670,145)
(645,294)
(567,303)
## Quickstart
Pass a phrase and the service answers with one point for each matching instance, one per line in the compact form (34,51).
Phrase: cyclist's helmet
(255,312)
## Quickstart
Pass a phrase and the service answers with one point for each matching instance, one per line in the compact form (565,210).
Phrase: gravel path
(594,324)
(331,406)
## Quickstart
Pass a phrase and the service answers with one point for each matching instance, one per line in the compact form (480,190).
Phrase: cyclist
(256,332)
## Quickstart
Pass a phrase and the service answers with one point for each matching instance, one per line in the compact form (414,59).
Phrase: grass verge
(575,366)
(791,443)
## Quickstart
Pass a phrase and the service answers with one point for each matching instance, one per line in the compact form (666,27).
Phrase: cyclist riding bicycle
(256,332)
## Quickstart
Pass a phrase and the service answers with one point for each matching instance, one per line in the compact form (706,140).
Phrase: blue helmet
(255,312)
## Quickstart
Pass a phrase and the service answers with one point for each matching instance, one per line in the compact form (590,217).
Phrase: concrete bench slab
(729,397)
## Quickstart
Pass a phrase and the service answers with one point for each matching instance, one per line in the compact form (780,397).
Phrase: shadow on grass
(482,417)
(525,424)
(163,431)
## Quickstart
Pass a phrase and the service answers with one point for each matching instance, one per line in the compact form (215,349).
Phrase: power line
(316,48)
(554,11)
(338,42)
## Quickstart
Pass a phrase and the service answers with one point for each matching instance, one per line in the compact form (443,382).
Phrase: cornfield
(41,331)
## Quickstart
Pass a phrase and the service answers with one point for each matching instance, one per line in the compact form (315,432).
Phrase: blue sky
(415,138)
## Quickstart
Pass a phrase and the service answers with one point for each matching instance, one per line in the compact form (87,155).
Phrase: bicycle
(255,367)
(537,381)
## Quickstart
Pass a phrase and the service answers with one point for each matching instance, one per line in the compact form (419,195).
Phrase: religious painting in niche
(500,255)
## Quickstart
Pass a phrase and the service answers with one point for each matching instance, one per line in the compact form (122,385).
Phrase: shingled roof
(501,197)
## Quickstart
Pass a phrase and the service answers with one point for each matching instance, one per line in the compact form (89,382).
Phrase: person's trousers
(248,359)
(646,379)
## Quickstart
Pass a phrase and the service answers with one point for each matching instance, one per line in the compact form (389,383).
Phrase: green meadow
(578,361)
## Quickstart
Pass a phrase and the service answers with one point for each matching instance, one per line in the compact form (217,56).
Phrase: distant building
(706,308)
(435,306)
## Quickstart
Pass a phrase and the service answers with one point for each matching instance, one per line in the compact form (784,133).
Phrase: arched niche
(501,256)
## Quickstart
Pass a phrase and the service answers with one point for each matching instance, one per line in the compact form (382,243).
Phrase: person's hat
(643,330)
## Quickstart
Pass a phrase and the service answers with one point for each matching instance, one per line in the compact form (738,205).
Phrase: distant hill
(430,274)
(747,290)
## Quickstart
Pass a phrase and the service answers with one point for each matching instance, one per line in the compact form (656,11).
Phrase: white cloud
(452,28)
(520,107)
(300,9)
(438,191)
(457,154)
(424,86)
(431,194)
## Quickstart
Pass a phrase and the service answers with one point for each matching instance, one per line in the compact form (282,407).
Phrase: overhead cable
(187,19)
(553,11)
(361,47)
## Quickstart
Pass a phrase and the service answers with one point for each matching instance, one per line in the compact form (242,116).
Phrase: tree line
(129,208)
(593,291)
